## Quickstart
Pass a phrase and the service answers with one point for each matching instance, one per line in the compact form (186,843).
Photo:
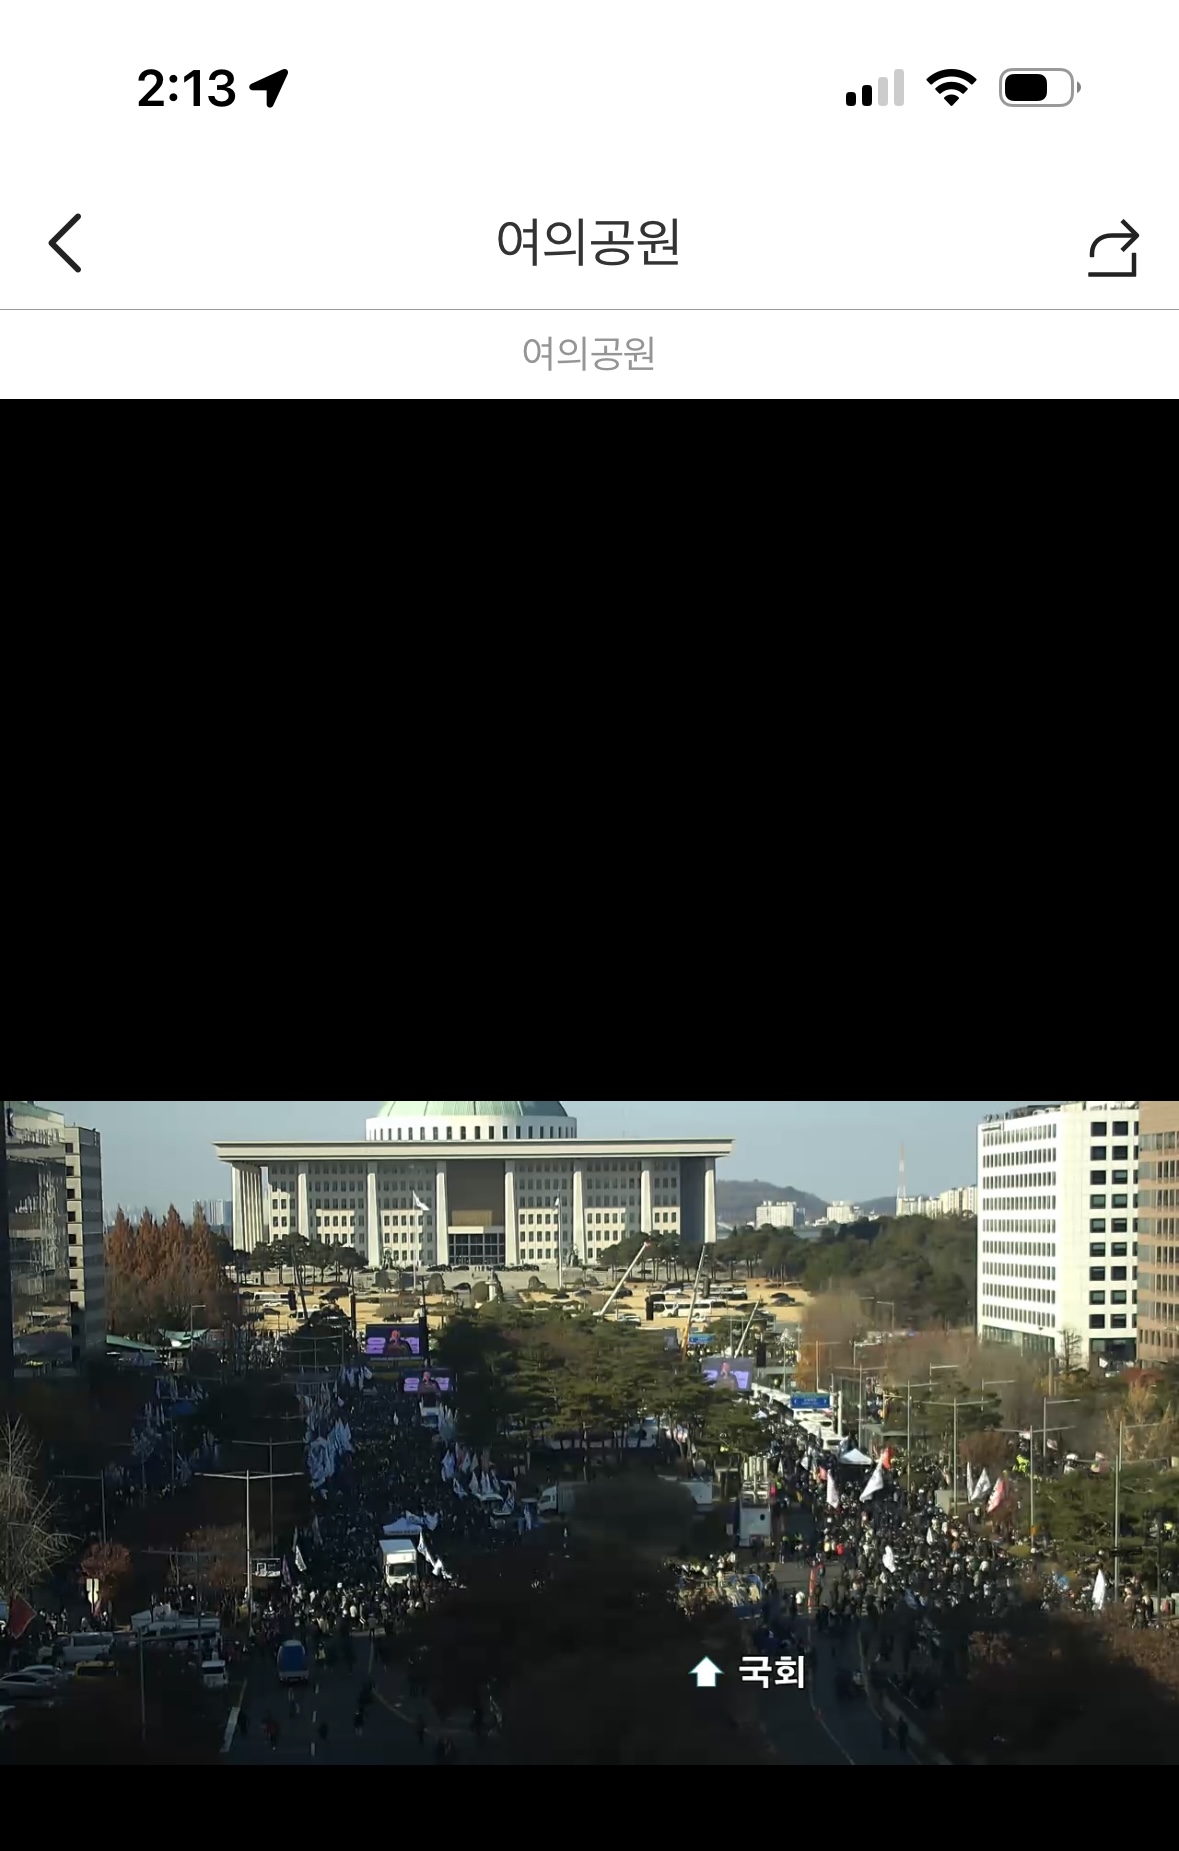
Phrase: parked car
(19,1687)
(627,1317)
(52,1675)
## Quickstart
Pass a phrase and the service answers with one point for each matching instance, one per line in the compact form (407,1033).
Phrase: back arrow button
(55,246)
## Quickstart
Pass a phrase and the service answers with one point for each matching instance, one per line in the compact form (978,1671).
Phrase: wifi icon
(950,84)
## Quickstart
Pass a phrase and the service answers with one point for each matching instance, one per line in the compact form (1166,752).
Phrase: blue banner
(820,1403)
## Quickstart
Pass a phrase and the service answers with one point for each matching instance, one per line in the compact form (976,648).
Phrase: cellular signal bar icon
(898,93)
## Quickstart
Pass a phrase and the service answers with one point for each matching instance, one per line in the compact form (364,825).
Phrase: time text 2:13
(150,101)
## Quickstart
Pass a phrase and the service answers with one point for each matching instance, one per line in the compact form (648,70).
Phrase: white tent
(853,1456)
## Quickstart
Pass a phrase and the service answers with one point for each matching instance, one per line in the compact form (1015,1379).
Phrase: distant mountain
(737,1203)
(880,1205)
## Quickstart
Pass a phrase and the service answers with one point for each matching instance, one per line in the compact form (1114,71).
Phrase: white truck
(557,1501)
(399,1561)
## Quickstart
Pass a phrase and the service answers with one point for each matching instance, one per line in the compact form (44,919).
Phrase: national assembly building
(473,1182)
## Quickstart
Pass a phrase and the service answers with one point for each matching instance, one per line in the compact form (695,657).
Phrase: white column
(304,1204)
(441,1219)
(710,1200)
(374,1218)
(579,1209)
(253,1215)
(511,1226)
(239,1219)
(646,1224)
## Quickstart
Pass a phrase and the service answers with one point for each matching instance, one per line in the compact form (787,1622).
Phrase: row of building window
(1117,1321)
(1105,1153)
(1016,1269)
(1032,1226)
(405,1133)
(1118,1225)
(1098,1178)
(1029,1294)
(1115,1298)
(999,1203)
(1038,1248)
(1160,1140)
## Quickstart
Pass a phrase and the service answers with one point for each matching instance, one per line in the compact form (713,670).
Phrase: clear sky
(159,1151)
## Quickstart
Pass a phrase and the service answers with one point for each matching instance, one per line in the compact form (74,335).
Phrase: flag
(19,1616)
(886,1458)
(998,1497)
(832,1492)
(970,1491)
(286,1572)
(982,1486)
(420,1205)
(874,1484)
(1099,1591)
(300,1564)
(890,1560)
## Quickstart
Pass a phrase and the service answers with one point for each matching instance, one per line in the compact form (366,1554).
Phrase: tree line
(159,1274)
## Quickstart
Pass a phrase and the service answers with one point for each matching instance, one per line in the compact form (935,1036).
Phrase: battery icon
(1047,88)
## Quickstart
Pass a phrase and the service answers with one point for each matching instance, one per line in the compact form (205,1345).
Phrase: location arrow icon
(272,85)
(54,246)
(706,1674)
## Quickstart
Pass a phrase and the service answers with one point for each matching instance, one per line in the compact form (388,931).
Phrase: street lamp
(248,1478)
(956,1403)
(1123,1430)
(270,1444)
(1044,1458)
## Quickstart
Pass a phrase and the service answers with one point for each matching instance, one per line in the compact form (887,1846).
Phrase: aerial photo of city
(520,1432)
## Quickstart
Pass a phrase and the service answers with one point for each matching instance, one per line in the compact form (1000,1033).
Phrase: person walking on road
(358,1719)
(272,1734)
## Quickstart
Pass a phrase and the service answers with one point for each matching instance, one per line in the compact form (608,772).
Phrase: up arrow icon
(706,1674)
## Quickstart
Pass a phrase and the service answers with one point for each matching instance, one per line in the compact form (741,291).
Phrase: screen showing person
(428,1383)
(729,1372)
(393,1340)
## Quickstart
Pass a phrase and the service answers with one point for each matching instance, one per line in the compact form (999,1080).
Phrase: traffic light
(650,1308)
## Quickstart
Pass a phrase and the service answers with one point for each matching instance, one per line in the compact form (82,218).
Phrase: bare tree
(30,1542)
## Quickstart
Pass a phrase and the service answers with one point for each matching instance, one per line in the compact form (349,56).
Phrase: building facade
(56,1260)
(958,1201)
(474,1183)
(1057,1229)
(842,1214)
(1158,1236)
(218,1212)
(779,1215)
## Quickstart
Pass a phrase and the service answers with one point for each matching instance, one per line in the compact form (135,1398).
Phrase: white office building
(840,1214)
(477,1183)
(958,1201)
(1057,1253)
(779,1215)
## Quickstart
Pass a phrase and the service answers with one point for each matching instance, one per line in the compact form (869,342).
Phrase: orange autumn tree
(159,1274)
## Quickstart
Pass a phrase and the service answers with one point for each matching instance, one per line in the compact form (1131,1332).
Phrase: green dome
(473,1108)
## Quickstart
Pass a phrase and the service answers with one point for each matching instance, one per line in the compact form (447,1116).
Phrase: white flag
(1099,1591)
(420,1205)
(300,1564)
(874,1484)
(890,1560)
(832,1492)
(971,1494)
(929,1536)
(997,1497)
(982,1486)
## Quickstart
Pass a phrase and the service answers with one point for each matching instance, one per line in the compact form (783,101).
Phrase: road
(389,1736)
